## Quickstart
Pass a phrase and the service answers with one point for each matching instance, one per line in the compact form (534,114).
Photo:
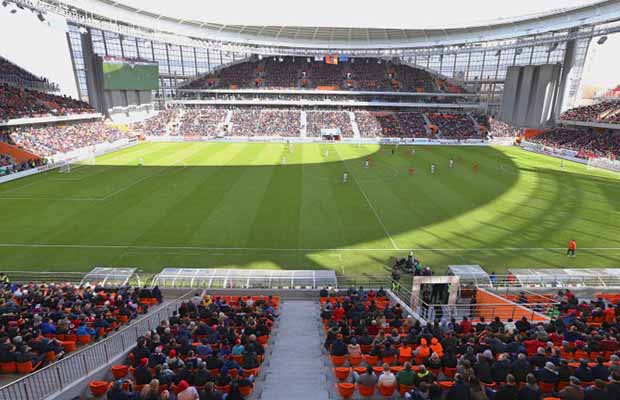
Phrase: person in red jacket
(572,248)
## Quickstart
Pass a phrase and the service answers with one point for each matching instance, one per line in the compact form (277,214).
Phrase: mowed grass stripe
(234,205)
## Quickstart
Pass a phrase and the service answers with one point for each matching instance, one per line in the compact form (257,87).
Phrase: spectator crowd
(574,356)
(40,323)
(605,112)
(47,140)
(588,141)
(211,348)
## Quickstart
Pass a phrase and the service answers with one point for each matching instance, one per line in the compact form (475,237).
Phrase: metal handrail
(52,378)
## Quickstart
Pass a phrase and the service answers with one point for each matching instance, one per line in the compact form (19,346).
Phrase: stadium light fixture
(41,17)
(601,40)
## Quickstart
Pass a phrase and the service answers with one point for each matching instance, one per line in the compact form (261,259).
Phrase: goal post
(65,168)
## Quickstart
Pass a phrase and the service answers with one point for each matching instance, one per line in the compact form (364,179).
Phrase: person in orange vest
(572,248)
(422,352)
(436,347)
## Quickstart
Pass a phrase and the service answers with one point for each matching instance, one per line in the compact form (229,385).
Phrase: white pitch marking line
(387,233)
(50,198)
(200,248)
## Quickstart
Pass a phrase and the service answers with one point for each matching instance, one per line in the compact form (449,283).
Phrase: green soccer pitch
(242,205)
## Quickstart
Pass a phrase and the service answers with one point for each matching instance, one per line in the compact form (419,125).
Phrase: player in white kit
(141,162)
(366,165)
(432,169)
(413,152)
(451,163)
(345,177)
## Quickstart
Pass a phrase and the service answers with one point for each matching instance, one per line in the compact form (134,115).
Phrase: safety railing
(488,311)
(53,378)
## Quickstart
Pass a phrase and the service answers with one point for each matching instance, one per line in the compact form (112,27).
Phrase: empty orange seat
(98,388)
(546,387)
(84,339)
(26,367)
(345,389)
(388,360)
(449,372)
(355,360)
(371,360)
(366,391)
(120,371)
(387,391)
(342,373)
(338,361)
(8,367)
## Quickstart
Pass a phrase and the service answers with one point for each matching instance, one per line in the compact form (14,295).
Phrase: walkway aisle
(296,367)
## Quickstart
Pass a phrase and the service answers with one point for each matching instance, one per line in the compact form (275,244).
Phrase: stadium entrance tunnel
(249,205)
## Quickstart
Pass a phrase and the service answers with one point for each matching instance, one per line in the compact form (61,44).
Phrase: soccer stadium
(322,201)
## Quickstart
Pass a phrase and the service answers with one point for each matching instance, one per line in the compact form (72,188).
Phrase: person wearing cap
(142,374)
(548,374)
(186,392)
(573,391)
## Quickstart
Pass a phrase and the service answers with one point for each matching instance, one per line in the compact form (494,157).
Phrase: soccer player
(411,171)
(141,161)
(366,164)
(476,167)
(451,163)
(562,164)
(283,160)
(345,177)
(326,153)
(433,169)
(572,248)
(413,151)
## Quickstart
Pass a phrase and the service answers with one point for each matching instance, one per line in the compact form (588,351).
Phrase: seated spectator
(387,378)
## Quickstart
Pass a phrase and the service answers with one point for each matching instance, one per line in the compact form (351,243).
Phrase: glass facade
(481,68)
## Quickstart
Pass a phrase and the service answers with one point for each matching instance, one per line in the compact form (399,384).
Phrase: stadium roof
(328,38)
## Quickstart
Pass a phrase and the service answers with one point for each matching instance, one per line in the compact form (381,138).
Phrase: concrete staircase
(296,366)
(303,124)
(354,126)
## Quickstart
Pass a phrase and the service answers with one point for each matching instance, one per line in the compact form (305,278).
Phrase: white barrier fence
(59,160)
(571,155)
(280,139)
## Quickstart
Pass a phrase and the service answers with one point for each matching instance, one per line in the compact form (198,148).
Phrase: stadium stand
(204,121)
(159,125)
(455,126)
(587,142)
(41,323)
(374,349)
(318,120)
(12,73)
(213,346)
(291,73)
(606,111)
(279,123)
(501,129)
(48,140)
(25,103)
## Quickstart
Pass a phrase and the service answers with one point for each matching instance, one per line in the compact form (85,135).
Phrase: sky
(37,46)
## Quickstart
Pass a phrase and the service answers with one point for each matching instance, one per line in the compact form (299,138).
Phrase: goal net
(64,169)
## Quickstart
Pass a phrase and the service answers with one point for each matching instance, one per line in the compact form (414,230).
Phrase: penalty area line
(290,250)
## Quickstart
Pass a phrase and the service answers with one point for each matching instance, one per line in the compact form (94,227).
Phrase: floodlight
(41,17)
(601,40)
